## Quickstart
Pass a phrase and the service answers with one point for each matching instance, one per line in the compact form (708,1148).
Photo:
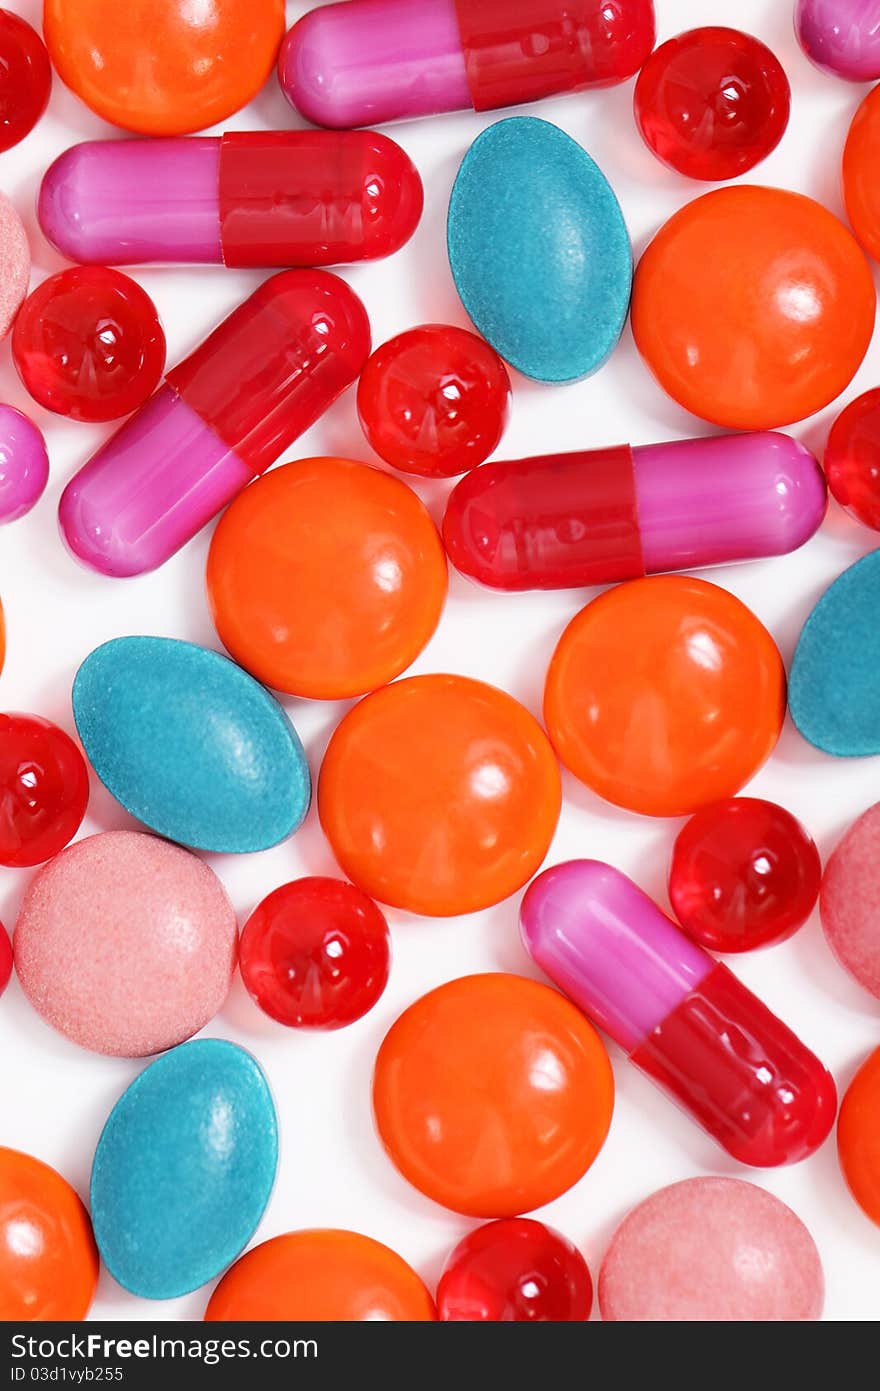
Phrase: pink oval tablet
(711,1250)
(15,264)
(126,944)
(849,900)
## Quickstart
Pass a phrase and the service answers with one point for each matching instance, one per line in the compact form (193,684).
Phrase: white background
(54,1097)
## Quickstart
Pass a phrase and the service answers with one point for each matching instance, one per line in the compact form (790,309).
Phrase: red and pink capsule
(250,198)
(683,1018)
(365,62)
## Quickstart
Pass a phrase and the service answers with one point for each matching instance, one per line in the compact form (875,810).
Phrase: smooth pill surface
(24,464)
(439,794)
(852,459)
(126,944)
(190,744)
(834,683)
(711,1250)
(44,790)
(15,264)
(321,1275)
(539,250)
(88,344)
(858,1136)
(841,36)
(434,401)
(712,103)
(860,155)
(515,1271)
(462,1102)
(763,278)
(315,954)
(25,79)
(202,62)
(326,578)
(184,1169)
(744,874)
(48,1259)
(664,695)
(849,902)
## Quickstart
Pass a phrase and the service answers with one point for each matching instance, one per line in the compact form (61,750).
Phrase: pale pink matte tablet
(126,943)
(15,264)
(711,1249)
(849,900)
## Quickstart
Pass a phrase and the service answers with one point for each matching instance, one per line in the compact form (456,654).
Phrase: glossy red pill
(88,344)
(44,790)
(744,874)
(434,401)
(852,459)
(316,954)
(25,79)
(515,1271)
(712,103)
(5,958)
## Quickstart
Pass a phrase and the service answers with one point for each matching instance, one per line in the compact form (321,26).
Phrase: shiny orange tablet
(326,578)
(162,67)
(493,1095)
(861,186)
(858,1136)
(48,1257)
(439,794)
(665,694)
(319,1276)
(753,307)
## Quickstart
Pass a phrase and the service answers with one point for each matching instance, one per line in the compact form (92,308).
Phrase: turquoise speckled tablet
(834,687)
(539,250)
(184,1169)
(190,744)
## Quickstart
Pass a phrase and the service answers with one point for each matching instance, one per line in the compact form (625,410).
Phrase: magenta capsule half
(222,416)
(363,62)
(252,198)
(606,515)
(684,1019)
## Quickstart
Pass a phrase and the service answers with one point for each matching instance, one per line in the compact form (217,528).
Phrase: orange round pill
(493,1095)
(858,1136)
(321,1276)
(439,794)
(48,1257)
(664,695)
(326,578)
(753,307)
(161,67)
(861,160)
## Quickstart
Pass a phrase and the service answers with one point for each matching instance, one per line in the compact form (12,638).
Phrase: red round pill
(434,401)
(744,874)
(25,79)
(315,954)
(5,958)
(712,103)
(88,344)
(515,1271)
(852,459)
(44,790)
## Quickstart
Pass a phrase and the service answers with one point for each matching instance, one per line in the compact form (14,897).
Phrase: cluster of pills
(492,1094)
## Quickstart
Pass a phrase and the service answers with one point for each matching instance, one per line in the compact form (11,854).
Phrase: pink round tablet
(5,959)
(15,264)
(126,944)
(849,900)
(711,1250)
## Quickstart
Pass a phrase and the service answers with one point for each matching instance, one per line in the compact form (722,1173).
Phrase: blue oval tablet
(834,687)
(184,1169)
(190,744)
(539,250)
